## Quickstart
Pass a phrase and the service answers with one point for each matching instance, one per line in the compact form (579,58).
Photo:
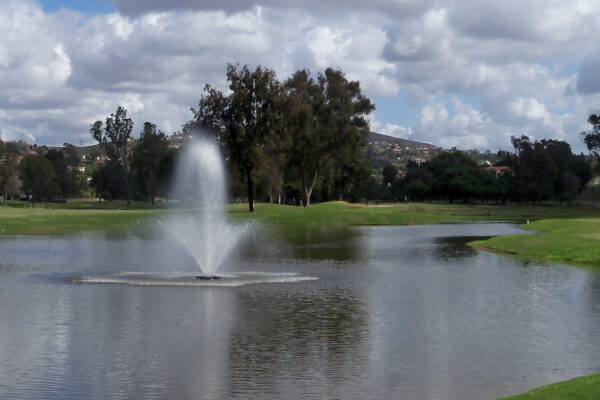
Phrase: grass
(20,218)
(46,221)
(573,241)
(342,214)
(585,387)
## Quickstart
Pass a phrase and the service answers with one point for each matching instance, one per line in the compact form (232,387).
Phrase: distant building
(498,171)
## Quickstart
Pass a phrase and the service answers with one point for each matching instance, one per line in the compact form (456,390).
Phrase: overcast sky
(465,73)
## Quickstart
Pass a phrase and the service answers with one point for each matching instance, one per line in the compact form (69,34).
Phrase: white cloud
(516,59)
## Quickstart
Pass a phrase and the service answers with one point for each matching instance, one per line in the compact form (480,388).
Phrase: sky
(454,73)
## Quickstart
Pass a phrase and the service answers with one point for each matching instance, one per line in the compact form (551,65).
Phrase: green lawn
(341,213)
(585,387)
(46,221)
(574,241)
(20,218)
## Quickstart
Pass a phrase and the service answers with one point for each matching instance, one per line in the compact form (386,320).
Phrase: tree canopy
(114,136)
(245,121)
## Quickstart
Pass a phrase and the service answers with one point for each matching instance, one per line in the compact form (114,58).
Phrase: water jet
(199,223)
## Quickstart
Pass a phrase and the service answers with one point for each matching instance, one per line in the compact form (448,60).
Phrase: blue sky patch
(86,6)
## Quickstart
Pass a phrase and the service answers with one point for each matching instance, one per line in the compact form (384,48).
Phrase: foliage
(39,178)
(592,137)
(10,184)
(150,159)
(537,171)
(108,182)
(114,136)
(66,176)
(245,121)
(389,172)
(326,123)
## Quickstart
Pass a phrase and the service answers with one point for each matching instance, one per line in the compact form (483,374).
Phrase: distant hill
(377,138)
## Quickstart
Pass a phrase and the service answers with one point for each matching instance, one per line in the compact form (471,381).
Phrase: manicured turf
(46,221)
(574,241)
(341,213)
(19,218)
(585,387)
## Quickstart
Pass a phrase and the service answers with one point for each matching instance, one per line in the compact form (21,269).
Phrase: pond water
(372,312)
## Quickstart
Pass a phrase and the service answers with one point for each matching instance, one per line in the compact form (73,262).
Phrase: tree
(71,154)
(456,176)
(2,147)
(10,184)
(592,138)
(148,156)
(389,173)
(114,136)
(244,121)
(108,182)
(303,106)
(326,121)
(39,178)
(66,176)
(535,171)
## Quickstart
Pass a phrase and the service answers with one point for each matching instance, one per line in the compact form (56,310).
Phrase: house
(498,171)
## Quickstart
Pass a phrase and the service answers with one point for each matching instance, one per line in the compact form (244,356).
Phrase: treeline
(294,142)
(289,138)
(49,176)
(287,142)
(537,171)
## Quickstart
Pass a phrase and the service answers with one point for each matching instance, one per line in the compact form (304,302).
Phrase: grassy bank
(340,213)
(585,387)
(574,241)
(52,221)
(20,218)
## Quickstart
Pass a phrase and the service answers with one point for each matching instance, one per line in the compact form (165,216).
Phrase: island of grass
(585,387)
(573,241)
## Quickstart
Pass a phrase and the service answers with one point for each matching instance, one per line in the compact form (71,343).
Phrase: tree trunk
(279,198)
(308,190)
(303,183)
(251,189)
(148,193)
(128,189)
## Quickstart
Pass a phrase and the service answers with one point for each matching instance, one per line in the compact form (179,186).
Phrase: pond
(405,312)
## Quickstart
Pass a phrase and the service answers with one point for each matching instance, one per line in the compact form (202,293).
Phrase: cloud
(396,8)
(588,79)
(472,72)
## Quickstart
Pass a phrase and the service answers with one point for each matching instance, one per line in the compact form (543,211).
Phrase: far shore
(570,234)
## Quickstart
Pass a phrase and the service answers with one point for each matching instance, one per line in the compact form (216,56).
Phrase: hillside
(379,138)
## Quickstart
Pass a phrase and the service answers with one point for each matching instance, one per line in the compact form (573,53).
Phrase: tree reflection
(455,248)
(296,340)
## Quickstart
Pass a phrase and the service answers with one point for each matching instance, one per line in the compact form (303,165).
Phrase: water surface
(395,312)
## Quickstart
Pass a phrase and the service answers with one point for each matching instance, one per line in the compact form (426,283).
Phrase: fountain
(199,225)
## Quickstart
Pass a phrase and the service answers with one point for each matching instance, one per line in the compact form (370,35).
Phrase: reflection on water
(292,343)
(455,248)
(396,312)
